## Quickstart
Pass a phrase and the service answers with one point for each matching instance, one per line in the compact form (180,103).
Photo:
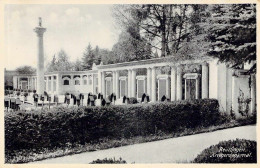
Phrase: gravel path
(174,150)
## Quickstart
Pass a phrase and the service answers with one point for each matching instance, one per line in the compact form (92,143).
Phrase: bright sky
(69,27)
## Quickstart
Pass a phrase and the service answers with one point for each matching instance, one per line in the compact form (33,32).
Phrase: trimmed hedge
(79,125)
(108,161)
(232,151)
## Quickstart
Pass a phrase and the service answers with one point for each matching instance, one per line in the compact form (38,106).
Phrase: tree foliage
(233,33)
(62,63)
(26,70)
(166,28)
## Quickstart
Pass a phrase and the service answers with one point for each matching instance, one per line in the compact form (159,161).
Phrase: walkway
(174,150)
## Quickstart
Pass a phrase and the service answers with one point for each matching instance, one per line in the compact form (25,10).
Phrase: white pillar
(114,81)
(179,83)
(103,83)
(35,84)
(149,81)
(205,81)
(253,93)
(153,85)
(93,84)
(47,84)
(40,61)
(173,83)
(235,94)
(52,84)
(129,83)
(134,83)
(58,84)
(18,83)
(117,84)
(99,82)
(197,87)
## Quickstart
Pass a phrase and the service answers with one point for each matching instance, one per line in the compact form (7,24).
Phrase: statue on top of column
(40,21)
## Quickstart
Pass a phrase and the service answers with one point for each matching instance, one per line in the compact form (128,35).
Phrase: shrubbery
(232,151)
(109,161)
(62,126)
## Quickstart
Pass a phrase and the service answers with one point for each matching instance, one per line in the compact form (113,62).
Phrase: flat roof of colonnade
(155,62)
(149,63)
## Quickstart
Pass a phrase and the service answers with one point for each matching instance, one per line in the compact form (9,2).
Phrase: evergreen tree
(233,33)
(88,58)
(63,63)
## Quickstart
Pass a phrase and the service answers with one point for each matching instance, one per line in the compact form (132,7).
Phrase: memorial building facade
(176,80)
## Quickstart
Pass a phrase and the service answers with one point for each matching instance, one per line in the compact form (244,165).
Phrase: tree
(26,70)
(88,58)
(77,65)
(52,66)
(130,48)
(233,34)
(62,63)
(165,27)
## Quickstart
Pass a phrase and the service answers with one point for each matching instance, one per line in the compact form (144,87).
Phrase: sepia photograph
(149,83)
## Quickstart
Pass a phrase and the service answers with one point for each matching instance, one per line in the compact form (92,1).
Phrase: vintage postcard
(95,83)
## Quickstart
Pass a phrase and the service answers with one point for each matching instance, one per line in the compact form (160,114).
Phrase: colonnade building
(177,80)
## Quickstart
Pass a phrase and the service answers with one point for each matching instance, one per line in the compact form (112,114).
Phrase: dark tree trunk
(163,30)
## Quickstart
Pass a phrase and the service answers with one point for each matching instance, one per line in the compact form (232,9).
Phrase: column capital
(173,67)
(205,63)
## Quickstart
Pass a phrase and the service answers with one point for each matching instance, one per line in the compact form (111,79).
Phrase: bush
(133,100)
(108,161)
(60,126)
(232,151)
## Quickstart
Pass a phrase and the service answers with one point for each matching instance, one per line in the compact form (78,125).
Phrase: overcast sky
(69,27)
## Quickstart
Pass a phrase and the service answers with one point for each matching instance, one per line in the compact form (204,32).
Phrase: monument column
(40,60)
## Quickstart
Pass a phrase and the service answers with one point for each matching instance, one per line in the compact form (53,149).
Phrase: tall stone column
(129,83)
(173,83)
(179,83)
(153,85)
(40,61)
(205,81)
(134,83)
(117,84)
(253,93)
(35,85)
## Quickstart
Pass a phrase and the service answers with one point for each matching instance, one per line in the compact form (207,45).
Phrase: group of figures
(14,102)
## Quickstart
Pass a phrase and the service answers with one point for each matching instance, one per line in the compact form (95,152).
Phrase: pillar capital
(40,31)
(204,63)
